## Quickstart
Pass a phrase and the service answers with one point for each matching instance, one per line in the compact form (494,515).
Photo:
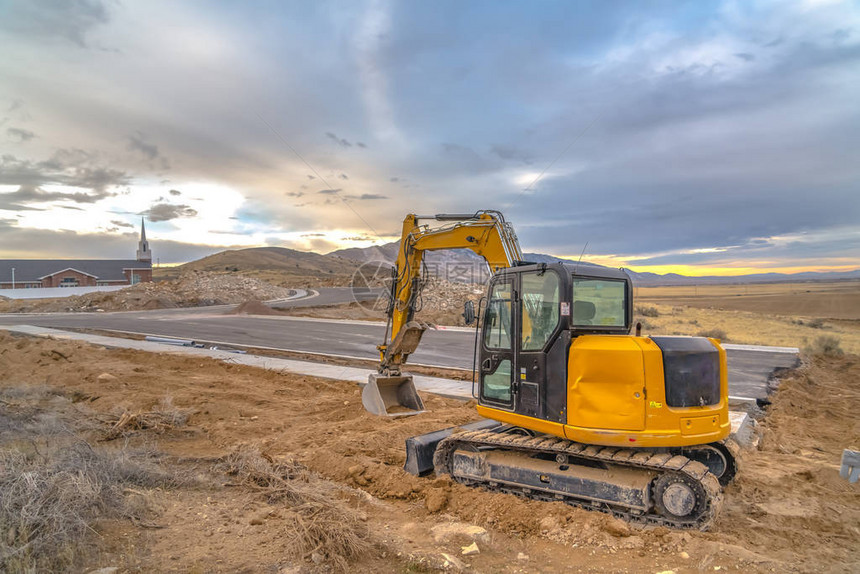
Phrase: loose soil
(787,512)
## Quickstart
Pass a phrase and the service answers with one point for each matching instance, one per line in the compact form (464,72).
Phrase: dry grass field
(783,314)
(836,300)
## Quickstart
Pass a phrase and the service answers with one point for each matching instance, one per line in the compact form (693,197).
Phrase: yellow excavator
(575,407)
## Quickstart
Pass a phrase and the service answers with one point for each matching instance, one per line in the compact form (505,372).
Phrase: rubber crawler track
(644,459)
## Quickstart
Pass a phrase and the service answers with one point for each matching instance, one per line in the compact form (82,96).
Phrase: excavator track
(672,474)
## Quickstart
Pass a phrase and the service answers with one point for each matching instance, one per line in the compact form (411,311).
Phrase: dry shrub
(647,311)
(50,501)
(164,416)
(316,523)
(825,345)
(713,334)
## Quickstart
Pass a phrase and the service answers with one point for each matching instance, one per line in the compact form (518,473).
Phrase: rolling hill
(277,265)
(293,268)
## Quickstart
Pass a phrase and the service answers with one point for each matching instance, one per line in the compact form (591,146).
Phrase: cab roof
(578,269)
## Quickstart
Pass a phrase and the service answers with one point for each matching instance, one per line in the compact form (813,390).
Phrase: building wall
(144,275)
(57,279)
(20,284)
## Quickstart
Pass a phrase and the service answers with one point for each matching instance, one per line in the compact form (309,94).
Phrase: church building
(34,273)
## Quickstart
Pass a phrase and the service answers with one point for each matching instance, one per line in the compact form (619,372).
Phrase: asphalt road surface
(748,369)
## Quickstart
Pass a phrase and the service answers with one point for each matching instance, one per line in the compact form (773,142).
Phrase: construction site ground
(788,511)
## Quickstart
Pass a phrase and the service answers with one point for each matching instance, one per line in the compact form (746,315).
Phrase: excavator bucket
(391,396)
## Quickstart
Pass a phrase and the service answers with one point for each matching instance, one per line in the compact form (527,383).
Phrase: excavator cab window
(540,308)
(599,302)
(497,370)
(497,324)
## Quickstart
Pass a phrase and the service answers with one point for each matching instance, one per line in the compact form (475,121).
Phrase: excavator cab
(556,357)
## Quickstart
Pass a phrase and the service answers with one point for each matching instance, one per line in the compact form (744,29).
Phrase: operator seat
(583,312)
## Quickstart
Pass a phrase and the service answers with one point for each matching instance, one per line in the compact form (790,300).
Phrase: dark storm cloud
(168,211)
(70,21)
(19,135)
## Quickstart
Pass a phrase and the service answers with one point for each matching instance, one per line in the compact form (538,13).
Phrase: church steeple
(143,252)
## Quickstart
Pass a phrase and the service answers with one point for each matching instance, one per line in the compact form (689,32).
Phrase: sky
(697,137)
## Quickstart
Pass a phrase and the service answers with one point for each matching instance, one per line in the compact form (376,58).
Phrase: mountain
(452,259)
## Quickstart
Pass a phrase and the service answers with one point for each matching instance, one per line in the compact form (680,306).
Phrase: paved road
(748,370)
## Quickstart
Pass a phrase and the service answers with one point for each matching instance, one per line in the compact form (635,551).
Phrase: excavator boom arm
(485,232)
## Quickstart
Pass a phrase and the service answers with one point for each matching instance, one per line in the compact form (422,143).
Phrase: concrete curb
(765,348)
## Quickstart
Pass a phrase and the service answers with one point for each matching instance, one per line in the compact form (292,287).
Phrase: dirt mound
(193,289)
(253,307)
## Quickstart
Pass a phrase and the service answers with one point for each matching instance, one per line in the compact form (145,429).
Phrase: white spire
(143,252)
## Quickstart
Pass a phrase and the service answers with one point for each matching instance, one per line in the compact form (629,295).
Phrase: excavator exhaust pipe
(391,396)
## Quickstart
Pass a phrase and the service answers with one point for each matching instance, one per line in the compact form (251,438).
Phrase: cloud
(343,176)
(121,223)
(329,191)
(294,194)
(506,152)
(168,211)
(393,179)
(175,192)
(339,141)
(364,196)
(663,133)
(28,194)
(64,21)
(73,168)
(27,243)
(19,135)
(137,142)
